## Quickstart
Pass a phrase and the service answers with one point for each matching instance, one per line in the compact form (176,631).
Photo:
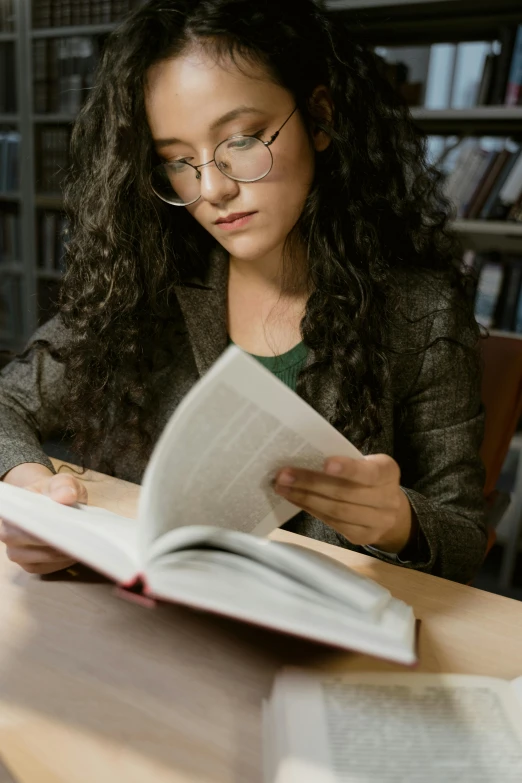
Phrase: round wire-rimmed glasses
(241,158)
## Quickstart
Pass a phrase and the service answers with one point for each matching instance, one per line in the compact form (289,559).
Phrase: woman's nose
(215,186)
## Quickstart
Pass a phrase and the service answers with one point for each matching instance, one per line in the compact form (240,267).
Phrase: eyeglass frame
(267,144)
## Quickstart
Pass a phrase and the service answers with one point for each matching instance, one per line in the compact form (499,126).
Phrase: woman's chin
(247,248)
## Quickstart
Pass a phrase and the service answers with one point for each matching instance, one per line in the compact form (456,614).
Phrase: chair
(502,398)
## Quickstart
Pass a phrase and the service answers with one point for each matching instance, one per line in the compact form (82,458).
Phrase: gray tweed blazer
(433,416)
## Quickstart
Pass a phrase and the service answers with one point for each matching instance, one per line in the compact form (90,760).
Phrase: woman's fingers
(371,471)
(335,488)
(44,555)
(347,513)
(13,536)
(65,489)
(32,554)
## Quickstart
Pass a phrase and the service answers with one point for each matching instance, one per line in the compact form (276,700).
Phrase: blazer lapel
(203,304)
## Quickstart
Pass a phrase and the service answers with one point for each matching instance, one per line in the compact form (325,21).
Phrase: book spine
(514,85)
(507,41)
(508,313)
(513,184)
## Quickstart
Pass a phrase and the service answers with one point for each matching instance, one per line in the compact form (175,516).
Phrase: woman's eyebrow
(216,125)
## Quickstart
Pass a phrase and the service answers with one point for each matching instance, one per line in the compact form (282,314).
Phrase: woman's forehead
(197,89)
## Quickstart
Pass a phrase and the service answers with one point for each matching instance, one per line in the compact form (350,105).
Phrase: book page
(392,728)
(324,575)
(235,586)
(101,539)
(516,686)
(218,455)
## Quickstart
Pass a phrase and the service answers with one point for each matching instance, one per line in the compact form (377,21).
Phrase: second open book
(206,505)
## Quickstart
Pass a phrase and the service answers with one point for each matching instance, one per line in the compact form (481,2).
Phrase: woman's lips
(236,222)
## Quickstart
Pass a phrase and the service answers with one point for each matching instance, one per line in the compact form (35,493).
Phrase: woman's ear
(320,107)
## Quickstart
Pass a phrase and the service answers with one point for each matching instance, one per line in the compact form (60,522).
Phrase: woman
(242,172)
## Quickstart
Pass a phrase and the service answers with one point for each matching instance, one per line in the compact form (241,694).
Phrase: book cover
(514,85)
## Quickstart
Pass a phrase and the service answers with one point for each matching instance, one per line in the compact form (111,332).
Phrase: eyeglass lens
(244,158)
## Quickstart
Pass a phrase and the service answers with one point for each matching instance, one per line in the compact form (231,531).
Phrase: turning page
(216,459)
(390,728)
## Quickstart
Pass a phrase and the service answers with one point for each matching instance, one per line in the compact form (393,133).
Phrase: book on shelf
(484,183)
(474,180)
(498,296)
(7,78)
(51,236)
(506,37)
(63,72)
(7,16)
(515,213)
(9,237)
(463,74)
(514,84)
(485,90)
(206,506)
(52,156)
(490,278)
(62,13)
(507,303)
(11,319)
(494,208)
(383,727)
(47,297)
(9,161)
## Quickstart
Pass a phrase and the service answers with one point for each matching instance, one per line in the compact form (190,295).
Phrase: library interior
(457,65)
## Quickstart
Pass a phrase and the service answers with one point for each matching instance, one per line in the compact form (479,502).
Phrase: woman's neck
(265,308)
(277,276)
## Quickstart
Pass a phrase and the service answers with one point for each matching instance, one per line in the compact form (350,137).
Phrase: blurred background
(457,63)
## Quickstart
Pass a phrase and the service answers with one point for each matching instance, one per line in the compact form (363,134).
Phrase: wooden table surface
(94,689)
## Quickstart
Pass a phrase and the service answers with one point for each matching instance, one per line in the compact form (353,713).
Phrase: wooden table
(97,690)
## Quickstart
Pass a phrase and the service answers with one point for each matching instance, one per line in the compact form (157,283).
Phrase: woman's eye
(240,145)
(177,165)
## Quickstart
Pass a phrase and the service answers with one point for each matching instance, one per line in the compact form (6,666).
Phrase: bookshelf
(478,121)
(415,23)
(487,236)
(29,281)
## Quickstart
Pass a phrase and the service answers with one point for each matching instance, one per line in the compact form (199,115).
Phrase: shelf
(49,200)
(479,121)
(63,32)
(10,196)
(503,333)
(49,274)
(432,7)
(399,22)
(486,236)
(11,268)
(9,119)
(5,37)
(54,118)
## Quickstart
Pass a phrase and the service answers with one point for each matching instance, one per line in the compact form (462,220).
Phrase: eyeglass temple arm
(276,134)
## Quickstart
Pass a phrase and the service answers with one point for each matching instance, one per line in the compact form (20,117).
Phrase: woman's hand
(360,498)
(33,555)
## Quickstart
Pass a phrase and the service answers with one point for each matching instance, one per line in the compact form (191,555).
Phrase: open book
(384,728)
(206,504)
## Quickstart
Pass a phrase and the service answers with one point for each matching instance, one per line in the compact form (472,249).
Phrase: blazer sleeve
(31,389)
(437,442)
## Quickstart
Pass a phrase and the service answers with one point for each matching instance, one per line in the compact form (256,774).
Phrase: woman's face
(193,104)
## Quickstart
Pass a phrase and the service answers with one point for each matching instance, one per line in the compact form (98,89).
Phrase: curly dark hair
(375,206)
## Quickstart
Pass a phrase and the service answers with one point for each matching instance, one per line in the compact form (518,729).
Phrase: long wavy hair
(375,205)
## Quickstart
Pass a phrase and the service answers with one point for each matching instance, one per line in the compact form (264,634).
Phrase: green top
(286,366)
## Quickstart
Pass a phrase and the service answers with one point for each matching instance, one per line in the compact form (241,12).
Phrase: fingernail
(333,468)
(286,478)
(66,491)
